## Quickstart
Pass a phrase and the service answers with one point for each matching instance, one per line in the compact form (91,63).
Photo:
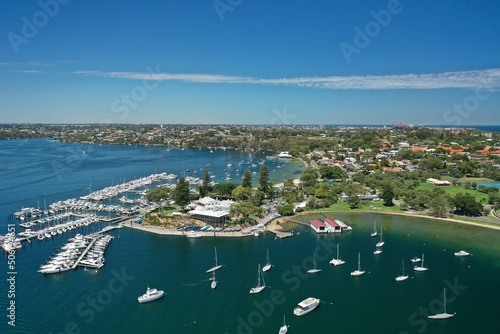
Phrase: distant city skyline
(239,62)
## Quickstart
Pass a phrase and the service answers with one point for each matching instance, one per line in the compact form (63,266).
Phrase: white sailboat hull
(357,272)
(401,278)
(337,262)
(266,267)
(441,316)
(257,289)
(214,268)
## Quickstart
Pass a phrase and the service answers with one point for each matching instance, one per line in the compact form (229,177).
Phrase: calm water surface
(106,301)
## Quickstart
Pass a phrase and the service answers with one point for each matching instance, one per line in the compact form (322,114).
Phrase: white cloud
(489,78)
(28,71)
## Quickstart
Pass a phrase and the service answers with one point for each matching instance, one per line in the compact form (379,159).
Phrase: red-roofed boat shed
(318,226)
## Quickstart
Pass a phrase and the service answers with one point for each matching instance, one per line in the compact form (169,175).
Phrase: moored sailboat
(358,272)
(402,276)
(314,270)
(268,263)
(421,267)
(260,285)
(217,266)
(443,315)
(337,261)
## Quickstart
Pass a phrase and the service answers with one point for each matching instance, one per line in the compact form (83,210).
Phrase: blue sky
(250,62)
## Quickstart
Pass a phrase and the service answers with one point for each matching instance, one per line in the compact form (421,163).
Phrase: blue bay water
(106,301)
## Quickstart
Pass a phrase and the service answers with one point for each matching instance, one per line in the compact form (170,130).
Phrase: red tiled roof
(317,223)
(331,221)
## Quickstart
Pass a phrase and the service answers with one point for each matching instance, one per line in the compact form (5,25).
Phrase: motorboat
(306,306)
(150,295)
(415,259)
(462,253)
(193,234)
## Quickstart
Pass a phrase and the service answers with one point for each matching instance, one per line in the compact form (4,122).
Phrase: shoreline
(451,220)
(174,232)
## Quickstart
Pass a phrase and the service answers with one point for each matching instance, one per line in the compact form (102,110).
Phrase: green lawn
(453,190)
(168,210)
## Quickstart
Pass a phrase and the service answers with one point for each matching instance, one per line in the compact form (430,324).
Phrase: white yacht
(193,234)
(374,233)
(380,243)
(378,251)
(306,306)
(421,267)
(402,276)
(443,315)
(358,272)
(150,295)
(337,261)
(284,328)
(284,154)
(217,266)
(268,264)
(260,286)
(416,259)
(462,253)
(213,285)
(314,270)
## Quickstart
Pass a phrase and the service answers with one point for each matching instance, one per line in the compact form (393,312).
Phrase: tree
(286,210)
(223,189)
(309,177)
(244,209)
(241,193)
(205,185)
(181,192)
(331,173)
(264,183)
(387,194)
(247,179)
(440,206)
(157,194)
(467,205)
